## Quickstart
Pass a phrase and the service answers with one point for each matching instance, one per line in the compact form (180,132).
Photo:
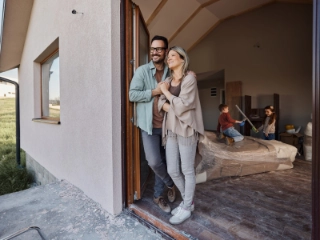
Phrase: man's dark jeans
(156,157)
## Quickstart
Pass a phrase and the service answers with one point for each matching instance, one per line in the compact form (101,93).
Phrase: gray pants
(155,155)
(177,148)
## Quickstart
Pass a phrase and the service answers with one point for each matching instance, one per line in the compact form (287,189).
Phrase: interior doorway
(224,184)
(211,92)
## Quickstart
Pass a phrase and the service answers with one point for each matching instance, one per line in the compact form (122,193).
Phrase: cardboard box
(291,138)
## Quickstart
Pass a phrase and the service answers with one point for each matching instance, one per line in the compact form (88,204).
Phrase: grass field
(12,178)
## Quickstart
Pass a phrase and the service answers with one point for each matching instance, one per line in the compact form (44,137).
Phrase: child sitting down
(225,125)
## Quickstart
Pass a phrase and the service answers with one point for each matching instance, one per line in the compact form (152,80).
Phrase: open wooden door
(137,54)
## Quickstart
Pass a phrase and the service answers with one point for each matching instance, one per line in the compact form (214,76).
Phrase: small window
(213,92)
(50,87)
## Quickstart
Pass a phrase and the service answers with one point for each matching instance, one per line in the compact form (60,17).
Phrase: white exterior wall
(86,148)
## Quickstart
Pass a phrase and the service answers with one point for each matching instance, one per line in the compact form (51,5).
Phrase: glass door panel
(141,56)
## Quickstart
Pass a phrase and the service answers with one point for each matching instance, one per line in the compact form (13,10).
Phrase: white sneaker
(174,211)
(180,216)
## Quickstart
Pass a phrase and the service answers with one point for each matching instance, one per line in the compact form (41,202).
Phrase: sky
(54,83)
(11,74)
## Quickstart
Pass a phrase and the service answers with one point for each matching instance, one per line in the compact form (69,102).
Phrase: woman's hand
(157,90)
(166,107)
(164,86)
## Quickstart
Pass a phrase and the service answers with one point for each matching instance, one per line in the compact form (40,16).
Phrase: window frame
(41,99)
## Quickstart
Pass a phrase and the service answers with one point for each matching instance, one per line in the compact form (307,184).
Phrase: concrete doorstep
(62,211)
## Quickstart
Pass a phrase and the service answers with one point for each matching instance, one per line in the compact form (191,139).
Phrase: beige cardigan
(268,128)
(185,115)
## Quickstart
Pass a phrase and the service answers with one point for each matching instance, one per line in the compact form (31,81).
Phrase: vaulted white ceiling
(187,22)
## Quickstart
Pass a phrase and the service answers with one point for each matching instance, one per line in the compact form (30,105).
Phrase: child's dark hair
(273,116)
(222,106)
(162,38)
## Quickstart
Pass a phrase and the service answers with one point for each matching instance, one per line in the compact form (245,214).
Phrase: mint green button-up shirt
(141,86)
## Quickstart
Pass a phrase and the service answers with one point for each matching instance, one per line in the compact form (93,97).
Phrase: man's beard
(160,60)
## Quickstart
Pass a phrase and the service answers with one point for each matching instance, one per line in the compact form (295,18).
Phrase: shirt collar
(153,69)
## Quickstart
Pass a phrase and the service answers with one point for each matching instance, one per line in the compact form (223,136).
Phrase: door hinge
(132,61)
(131,119)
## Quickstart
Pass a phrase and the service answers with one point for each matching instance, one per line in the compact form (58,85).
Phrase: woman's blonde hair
(183,55)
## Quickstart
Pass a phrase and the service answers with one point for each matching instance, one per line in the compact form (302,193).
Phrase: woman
(181,127)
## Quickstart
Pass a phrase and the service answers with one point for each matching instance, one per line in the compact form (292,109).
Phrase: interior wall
(209,105)
(270,51)
(85,149)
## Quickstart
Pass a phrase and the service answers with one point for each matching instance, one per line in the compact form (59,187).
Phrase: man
(145,90)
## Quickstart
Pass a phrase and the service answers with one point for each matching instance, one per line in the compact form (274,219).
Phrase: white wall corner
(115,76)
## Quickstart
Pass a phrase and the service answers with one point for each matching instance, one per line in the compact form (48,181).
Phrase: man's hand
(157,90)
(164,86)
(192,73)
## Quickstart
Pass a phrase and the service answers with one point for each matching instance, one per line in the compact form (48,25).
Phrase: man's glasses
(157,49)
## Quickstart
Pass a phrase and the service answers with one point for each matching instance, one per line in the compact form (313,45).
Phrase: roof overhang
(14,31)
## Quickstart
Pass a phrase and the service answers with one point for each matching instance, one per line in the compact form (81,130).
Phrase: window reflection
(51,87)
(143,45)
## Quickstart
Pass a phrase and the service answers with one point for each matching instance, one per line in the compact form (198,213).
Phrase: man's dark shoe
(171,193)
(162,204)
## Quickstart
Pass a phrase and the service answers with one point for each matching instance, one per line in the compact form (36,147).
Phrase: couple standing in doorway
(170,118)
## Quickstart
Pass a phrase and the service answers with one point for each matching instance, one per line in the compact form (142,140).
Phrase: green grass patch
(54,113)
(12,178)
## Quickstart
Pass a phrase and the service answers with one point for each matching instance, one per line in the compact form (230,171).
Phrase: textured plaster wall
(282,64)
(86,148)
(209,105)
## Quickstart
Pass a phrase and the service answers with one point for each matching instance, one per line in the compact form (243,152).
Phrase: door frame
(316,122)
(126,69)
(126,106)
